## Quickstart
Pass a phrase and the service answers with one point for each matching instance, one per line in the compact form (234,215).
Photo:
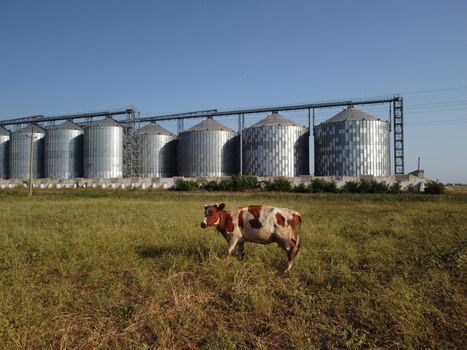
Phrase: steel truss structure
(398,122)
(130,144)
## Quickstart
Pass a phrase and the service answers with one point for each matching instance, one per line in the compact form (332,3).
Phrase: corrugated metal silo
(275,146)
(4,148)
(157,151)
(103,149)
(208,149)
(352,143)
(64,151)
(20,142)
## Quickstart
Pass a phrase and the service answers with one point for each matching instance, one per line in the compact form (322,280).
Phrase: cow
(258,224)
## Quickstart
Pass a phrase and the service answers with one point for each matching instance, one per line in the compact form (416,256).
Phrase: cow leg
(287,245)
(295,249)
(241,249)
(232,243)
(291,247)
(290,262)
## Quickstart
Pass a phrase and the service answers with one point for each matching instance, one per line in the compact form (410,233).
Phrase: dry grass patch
(133,270)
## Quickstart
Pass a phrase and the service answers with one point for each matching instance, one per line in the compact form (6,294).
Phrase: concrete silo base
(417,181)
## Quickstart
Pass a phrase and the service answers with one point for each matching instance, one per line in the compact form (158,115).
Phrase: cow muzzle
(204,225)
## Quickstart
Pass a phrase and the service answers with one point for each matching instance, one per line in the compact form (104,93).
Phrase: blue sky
(61,57)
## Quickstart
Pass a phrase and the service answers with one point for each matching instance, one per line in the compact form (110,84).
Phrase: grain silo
(352,143)
(64,151)
(4,146)
(275,146)
(103,149)
(208,149)
(20,143)
(157,151)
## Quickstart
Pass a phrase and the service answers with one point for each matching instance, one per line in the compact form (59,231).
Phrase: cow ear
(206,206)
(221,206)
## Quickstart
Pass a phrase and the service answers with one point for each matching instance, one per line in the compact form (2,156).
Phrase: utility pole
(31,154)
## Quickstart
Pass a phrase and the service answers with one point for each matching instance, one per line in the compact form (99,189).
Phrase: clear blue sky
(171,56)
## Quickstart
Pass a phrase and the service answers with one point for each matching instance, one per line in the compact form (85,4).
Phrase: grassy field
(133,270)
(456,189)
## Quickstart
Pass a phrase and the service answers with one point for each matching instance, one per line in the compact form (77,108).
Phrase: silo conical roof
(274,119)
(350,114)
(154,129)
(209,124)
(31,128)
(67,126)
(105,122)
(4,132)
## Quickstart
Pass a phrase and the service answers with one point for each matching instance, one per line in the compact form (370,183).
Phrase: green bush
(185,185)
(213,186)
(301,188)
(378,187)
(236,183)
(411,188)
(395,187)
(280,184)
(434,187)
(239,183)
(366,186)
(351,186)
(322,185)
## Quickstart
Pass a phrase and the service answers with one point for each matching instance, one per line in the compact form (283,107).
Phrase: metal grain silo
(275,146)
(4,146)
(208,149)
(20,143)
(352,143)
(64,151)
(157,151)
(103,149)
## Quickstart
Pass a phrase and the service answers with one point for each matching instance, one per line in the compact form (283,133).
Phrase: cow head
(212,215)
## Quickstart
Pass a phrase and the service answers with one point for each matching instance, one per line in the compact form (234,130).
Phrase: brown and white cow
(257,224)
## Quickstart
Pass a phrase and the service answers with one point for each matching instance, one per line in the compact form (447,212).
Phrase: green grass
(133,270)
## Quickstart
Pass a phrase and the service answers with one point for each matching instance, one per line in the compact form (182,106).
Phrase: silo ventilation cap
(349,114)
(154,129)
(209,124)
(4,132)
(31,128)
(274,119)
(68,125)
(105,122)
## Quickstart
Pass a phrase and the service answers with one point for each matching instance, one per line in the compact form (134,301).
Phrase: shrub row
(434,187)
(238,183)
